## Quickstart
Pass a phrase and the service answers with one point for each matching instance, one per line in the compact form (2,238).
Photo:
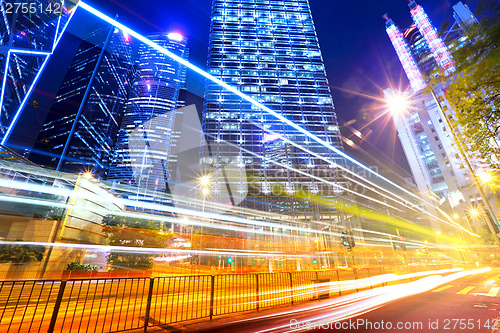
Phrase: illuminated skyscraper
(404,54)
(438,49)
(80,132)
(143,151)
(269,50)
(27,43)
(435,160)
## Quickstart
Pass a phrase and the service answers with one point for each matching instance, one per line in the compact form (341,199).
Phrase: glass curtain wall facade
(420,50)
(269,50)
(81,129)
(26,42)
(404,54)
(143,150)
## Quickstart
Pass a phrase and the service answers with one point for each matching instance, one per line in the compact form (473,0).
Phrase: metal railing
(119,304)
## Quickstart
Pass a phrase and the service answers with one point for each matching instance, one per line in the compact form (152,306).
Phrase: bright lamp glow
(485,177)
(397,103)
(175,36)
(205,180)
(474,212)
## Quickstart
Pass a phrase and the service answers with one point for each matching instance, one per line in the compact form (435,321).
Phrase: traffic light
(229,260)
(402,245)
(345,241)
(315,261)
(351,240)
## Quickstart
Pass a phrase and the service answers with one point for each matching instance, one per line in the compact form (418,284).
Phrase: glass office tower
(268,49)
(81,130)
(143,156)
(435,43)
(26,42)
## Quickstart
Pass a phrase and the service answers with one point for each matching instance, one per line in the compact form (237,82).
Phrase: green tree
(486,237)
(475,90)
(21,253)
(133,232)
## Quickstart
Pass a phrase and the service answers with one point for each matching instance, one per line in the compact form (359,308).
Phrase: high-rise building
(404,54)
(27,43)
(142,157)
(80,131)
(433,156)
(268,49)
(436,45)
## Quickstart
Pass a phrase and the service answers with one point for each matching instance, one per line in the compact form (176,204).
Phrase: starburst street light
(485,177)
(397,102)
(205,191)
(205,188)
(204,181)
(474,212)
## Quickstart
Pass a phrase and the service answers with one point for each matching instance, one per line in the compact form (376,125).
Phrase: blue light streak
(6,74)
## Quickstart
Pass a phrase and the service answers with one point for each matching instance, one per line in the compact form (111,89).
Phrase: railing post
(338,280)
(355,271)
(148,304)
(291,286)
(316,283)
(212,292)
(257,288)
(56,307)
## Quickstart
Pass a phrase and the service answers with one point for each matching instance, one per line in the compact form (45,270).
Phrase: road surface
(432,304)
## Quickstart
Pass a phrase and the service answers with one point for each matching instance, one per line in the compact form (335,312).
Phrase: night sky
(358,55)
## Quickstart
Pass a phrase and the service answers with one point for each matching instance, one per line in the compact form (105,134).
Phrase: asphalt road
(434,304)
(470,304)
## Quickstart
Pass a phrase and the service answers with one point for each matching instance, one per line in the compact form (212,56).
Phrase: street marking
(442,288)
(465,290)
(493,291)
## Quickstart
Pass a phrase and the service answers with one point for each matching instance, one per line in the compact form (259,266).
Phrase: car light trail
(129,249)
(354,305)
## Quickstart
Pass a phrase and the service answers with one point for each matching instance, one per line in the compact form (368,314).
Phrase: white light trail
(354,305)
(125,249)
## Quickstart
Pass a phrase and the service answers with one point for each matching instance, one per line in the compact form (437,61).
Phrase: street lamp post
(205,184)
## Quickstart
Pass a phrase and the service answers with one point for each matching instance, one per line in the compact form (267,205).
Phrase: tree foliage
(475,90)
(77,267)
(133,232)
(21,253)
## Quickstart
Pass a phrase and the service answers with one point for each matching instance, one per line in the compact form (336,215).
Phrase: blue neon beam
(5,75)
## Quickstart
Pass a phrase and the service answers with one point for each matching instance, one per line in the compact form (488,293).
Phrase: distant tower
(463,15)
(438,48)
(142,155)
(80,132)
(404,54)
